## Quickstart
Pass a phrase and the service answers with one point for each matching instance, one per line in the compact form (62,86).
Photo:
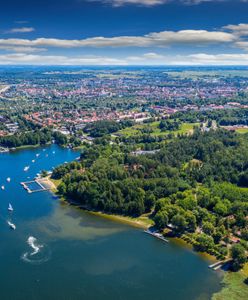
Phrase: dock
(219,264)
(157,235)
(40,183)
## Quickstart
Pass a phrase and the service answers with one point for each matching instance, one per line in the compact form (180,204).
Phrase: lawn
(234,287)
(154,129)
(242,130)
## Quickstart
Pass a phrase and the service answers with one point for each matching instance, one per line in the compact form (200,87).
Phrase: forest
(34,137)
(193,186)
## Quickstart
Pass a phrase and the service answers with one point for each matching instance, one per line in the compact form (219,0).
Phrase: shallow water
(60,252)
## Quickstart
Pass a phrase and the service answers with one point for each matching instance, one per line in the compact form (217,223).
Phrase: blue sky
(124,32)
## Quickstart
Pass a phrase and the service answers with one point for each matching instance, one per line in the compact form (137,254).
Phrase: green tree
(239,256)
(161,219)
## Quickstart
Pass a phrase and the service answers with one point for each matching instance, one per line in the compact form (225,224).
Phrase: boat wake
(40,252)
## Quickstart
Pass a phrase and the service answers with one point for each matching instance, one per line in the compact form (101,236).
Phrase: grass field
(234,287)
(242,130)
(154,129)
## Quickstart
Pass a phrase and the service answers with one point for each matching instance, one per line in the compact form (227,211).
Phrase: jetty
(36,185)
(219,264)
(157,235)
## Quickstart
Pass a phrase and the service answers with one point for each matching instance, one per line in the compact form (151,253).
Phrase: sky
(124,32)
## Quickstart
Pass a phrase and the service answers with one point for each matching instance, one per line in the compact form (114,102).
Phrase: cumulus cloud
(155,39)
(240,29)
(21,30)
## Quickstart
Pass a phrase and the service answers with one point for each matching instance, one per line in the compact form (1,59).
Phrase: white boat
(8,179)
(33,161)
(26,168)
(11,225)
(53,152)
(3,187)
(10,208)
(38,154)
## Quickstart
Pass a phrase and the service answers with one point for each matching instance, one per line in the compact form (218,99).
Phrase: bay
(60,252)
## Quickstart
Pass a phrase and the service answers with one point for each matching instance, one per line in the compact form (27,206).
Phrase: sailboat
(10,208)
(8,179)
(11,225)
(3,187)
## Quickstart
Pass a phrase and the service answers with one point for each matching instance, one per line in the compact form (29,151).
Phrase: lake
(60,252)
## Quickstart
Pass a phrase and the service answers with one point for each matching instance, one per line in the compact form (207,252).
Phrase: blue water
(81,256)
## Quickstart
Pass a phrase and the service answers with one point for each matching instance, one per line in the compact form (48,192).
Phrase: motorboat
(26,168)
(11,225)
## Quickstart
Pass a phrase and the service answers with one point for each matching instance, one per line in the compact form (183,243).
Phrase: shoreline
(142,222)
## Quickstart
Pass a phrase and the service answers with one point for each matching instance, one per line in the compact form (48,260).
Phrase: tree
(161,219)
(60,138)
(44,173)
(208,228)
(62,188)
(204,242)
(238,255)
(179,222)
(221,208)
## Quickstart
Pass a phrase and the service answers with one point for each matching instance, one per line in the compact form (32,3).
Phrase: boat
(8,179)
(11,225)
(38,154)
(26,168)
(157,235)
(33,161)
(3,187)
(10,208)
(53,152)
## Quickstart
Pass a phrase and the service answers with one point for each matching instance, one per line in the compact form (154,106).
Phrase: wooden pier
(157,235)
(38,182)
(219,264)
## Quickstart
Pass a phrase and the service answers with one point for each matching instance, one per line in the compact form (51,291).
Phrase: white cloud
(33,59)
(218,59)
(118,3)
(240,29)
(145,59)
(22,49)
(21,30)
(149,3)
(242,44)
(158,39)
